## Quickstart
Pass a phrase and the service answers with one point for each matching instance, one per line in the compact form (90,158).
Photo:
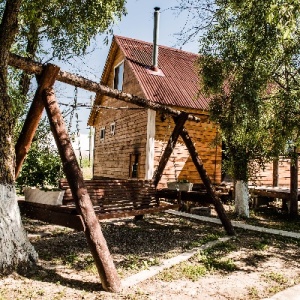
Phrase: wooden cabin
(129,140)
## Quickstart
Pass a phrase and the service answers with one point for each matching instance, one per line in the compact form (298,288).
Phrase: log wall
(112,155)
(203,135)
(265,176)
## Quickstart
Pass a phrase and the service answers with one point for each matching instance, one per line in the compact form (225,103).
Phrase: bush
(42,166)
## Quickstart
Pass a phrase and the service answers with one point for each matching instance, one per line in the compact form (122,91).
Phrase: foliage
(249,66)
(66,29)
(68,26)
(42,166)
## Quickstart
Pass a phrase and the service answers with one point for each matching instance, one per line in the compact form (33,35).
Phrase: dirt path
(251,266)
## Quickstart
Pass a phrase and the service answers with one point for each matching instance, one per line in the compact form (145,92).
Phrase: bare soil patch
(250,266)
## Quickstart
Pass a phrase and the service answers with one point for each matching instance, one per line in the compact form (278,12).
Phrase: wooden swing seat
(111,198)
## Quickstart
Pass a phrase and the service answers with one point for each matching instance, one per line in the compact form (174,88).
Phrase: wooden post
(207,182)
(294,184)
(34,115)
(275,172)
(105,265)
(169,148)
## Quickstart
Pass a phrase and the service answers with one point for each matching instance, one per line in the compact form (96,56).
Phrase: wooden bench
(266,194)
(112,198)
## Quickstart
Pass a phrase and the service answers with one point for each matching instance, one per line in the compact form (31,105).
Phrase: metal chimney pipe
(155,39)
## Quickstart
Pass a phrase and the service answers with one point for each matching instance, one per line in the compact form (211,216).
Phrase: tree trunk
(16,251)
(240,171)
(32,46)
(241,198)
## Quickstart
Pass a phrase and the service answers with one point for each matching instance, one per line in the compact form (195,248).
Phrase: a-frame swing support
(109,278)
(97,243)
(180,130)
(45,97)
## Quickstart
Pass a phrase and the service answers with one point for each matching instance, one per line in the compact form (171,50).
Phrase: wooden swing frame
(84,217)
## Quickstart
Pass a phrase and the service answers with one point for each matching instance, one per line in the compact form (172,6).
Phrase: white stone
(44,197)
(241,198)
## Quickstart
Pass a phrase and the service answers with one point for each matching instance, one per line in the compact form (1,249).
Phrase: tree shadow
(40,273)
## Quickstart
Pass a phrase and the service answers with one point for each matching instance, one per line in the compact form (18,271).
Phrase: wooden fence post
(97,243)
(294,183)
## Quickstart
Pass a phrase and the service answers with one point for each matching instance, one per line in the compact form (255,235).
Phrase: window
(118,77)
(102,134)
(112,128)
(134,165)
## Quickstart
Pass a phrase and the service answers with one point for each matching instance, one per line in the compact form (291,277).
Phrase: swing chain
(74,107)
(78,140)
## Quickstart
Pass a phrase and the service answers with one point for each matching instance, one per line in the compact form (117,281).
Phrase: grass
(137,246)
(185,270)
(253,292)
(208,238)
(261,245)
(192,272)
(138,263)
(276,277)
(206,261)
(270,217)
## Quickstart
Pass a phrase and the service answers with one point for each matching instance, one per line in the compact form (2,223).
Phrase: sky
(138,24)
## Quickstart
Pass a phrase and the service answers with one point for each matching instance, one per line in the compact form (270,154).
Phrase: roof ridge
(150,44)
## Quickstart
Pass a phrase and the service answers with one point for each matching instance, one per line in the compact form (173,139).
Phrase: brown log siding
(265,176)
(112,156)
(203,135)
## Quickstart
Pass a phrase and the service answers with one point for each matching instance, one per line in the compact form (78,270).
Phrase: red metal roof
(179,85)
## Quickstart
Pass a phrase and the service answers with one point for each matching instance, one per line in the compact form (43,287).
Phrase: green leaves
(69,26)
(42,166)
(250,70)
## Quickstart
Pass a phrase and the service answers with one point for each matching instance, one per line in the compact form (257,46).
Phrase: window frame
(112,128)
(117,83)
(102,133)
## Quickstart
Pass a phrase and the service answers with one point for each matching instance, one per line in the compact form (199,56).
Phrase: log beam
(207,182)
(97,243)
(169,148)
(34,67)
(34,115)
